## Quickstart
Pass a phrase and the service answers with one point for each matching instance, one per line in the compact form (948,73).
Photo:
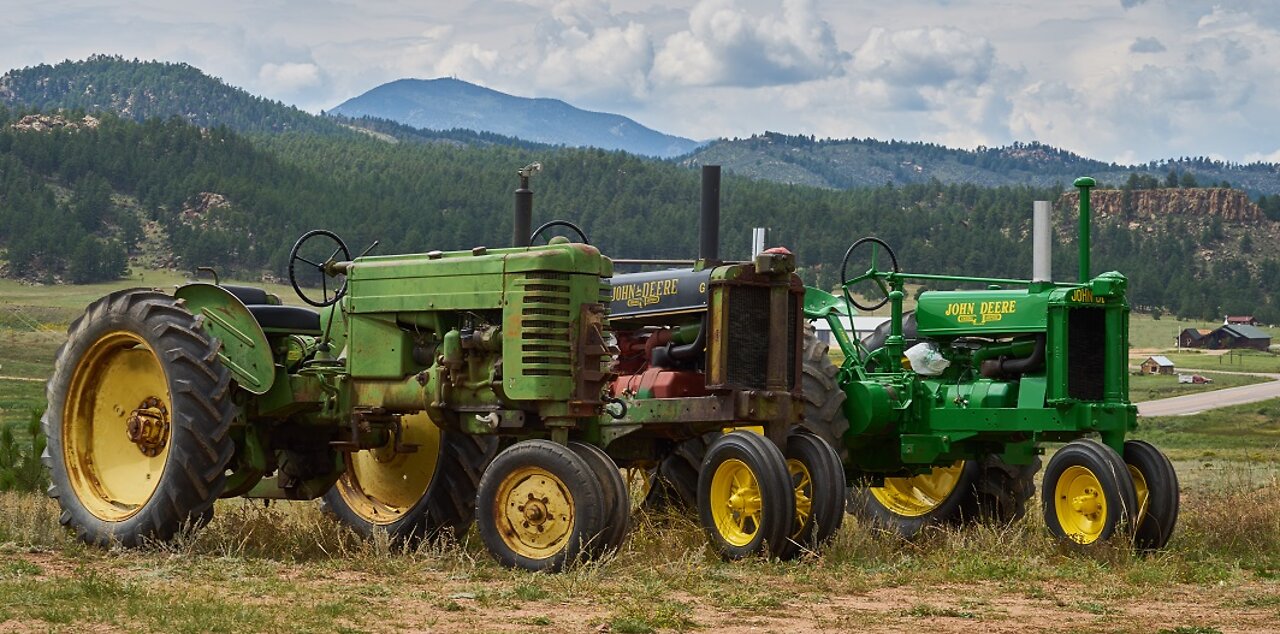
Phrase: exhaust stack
(523,223)
(1042,241)
(709,227)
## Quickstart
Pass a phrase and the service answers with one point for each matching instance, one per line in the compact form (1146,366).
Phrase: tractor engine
(684,333)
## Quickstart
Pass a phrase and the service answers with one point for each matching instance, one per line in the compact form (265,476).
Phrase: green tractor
(951,428)
(431,388)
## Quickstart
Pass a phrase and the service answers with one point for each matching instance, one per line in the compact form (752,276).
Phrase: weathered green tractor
(393,400)
(952,427)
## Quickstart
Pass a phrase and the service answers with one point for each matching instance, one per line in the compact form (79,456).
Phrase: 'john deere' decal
(1085,296)
(658,292)
(979,313)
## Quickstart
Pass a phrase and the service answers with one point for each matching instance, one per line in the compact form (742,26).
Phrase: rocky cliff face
(1228,205)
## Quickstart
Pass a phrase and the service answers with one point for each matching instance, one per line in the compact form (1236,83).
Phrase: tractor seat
(247,295)
(292,319)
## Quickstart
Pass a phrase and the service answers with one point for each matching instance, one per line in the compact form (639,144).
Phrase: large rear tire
(413,495)
(138,421)
(1000,491)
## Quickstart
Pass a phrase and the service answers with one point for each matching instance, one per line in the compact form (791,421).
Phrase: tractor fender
(244,349)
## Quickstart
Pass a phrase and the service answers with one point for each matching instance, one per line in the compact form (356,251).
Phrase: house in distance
(1158,364)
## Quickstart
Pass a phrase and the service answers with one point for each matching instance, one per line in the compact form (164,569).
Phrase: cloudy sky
(1123,80)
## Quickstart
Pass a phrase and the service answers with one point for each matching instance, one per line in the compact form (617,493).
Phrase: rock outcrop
(1228,205)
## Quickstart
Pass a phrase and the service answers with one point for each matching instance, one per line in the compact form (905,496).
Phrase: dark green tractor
(430,388)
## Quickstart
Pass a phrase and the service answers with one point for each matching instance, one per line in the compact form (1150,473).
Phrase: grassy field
(1147,387)
(288,567)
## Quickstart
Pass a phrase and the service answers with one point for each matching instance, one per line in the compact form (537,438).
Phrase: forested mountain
(446,103)
(848,163)
(75,197)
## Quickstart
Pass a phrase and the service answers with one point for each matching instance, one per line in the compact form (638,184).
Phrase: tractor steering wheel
(295,256)
(872,273)
(558,223)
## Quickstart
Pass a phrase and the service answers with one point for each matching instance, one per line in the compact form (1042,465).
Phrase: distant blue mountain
(445,104)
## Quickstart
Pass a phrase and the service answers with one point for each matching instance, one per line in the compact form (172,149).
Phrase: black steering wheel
(559,223)
(295,256)
(872,273)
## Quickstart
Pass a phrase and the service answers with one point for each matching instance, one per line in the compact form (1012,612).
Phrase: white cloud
(290,76)
(1258,157)
(729,46)
(583,51)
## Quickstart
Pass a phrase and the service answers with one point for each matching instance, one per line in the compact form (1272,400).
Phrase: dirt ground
(420,605)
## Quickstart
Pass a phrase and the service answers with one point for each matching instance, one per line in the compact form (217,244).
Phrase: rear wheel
(138,421)
(1000,491)
(412,495)
(675,480)
(1155,484)
(1088,494)
(745,500)
(907,504)
(538,506)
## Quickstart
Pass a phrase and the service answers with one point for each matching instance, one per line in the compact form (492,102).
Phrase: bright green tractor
(392,401)
(952,427)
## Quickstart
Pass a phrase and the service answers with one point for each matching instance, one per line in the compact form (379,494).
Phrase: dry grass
(257,567)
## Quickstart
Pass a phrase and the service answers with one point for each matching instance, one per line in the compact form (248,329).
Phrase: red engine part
(661,383)
(635,348)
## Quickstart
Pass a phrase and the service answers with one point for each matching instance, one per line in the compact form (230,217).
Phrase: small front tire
(538,506)
(745,500)
(1087,493)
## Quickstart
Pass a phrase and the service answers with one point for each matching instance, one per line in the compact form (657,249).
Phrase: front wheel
(1087,493)
(138,421)
(1156,485)
(818,482)
(745,499)
(539,506)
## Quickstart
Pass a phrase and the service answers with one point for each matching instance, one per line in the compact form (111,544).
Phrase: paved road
(1192,403)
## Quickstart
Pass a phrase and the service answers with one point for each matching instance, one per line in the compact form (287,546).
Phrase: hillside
(442,104)
(237,203)
(847,163)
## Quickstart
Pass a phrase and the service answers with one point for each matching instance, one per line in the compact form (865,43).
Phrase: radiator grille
(545,325)
(1086,353)
(749,325)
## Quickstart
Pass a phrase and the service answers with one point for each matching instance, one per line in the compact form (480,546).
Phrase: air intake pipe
(523,223)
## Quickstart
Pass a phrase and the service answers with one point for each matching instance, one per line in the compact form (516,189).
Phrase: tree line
(73,202)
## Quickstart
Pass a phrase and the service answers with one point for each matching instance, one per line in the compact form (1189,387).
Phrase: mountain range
(446,103)
(453,111)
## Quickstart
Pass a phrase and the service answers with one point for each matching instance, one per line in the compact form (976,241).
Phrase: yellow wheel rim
(735,502)
(1080,504)
(535,513)
(1140,487)
(382,485)
(918,495)
(116,426)
(802,482)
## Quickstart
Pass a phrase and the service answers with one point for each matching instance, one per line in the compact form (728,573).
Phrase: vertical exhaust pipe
(1084,183)
(522,226)
(1041,241)
(709,227)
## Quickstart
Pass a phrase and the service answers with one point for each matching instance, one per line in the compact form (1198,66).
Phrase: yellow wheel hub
(381,485)
(735,502)
(803,484)
(535,512)
(918,495)
(116,428)
(1080,504)
(1140,487)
